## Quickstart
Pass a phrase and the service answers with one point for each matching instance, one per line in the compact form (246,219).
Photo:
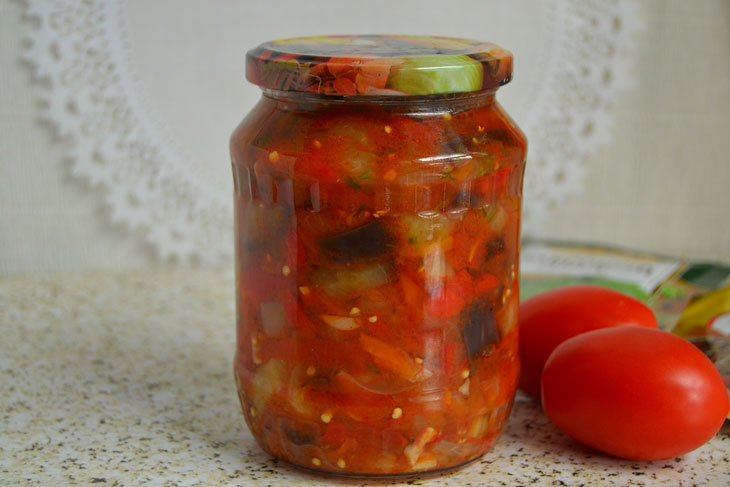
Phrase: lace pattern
(95,99)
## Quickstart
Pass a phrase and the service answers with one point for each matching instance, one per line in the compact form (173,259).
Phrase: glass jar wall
(377,242)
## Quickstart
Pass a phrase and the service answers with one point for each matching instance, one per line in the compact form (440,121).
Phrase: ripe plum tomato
(550,318)
(634,392)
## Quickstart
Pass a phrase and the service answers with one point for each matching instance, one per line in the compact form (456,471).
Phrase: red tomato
(634,392)
(550,318)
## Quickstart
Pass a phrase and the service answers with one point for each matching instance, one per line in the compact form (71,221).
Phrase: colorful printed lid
(377,65)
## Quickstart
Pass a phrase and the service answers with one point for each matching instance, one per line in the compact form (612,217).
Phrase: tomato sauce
(377,241)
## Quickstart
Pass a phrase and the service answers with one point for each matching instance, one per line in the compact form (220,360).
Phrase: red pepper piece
(393,440)
(484,284)
(451,298)
(389,357)
(450,353)
(336,433)
(315,166)
(345,86)
(261,285)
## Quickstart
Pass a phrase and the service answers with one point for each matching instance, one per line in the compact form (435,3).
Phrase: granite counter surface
(125,379)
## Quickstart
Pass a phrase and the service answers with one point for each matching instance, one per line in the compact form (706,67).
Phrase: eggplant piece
(495,247)
(368,242)
(502,135)
(454,145)
(480,329)
(298,437)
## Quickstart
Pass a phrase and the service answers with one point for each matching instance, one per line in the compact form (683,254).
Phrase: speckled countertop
(125,379)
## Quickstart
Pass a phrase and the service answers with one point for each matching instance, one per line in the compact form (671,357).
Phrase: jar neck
(454,102)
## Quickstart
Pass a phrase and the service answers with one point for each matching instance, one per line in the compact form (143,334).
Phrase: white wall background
(662,184)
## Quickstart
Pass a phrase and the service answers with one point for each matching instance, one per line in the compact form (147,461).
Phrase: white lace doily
(96,99)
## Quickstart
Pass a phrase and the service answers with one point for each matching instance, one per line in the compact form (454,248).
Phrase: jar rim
(379,65)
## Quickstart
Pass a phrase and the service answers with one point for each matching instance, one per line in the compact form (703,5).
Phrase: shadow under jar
(377,205)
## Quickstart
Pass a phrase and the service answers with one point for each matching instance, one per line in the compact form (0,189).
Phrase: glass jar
(377,204)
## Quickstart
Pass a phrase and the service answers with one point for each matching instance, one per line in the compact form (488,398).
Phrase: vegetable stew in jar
(377,202)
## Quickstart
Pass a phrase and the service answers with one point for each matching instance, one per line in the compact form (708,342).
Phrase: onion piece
(342,323)
(268,380)
(414,450)
(381,387)
(273,317)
